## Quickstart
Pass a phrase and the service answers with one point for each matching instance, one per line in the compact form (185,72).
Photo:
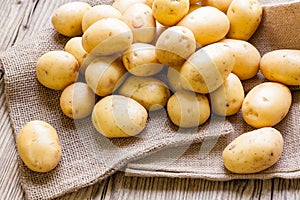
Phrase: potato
(266,104)
(282,66)
(150,92)
(173,76)
(253,151)
(175,45)
(99,12)
(140,60)
(39,146)
(107,36)
(222,5)
(207,68)
(123,5)
(104,75)
(170,12)
(57,69)
(67,19)
(141,21)
(244,17)
(247,58)
(119,116)
(74,47)
(188,109)
(77,100)
(228,98)
(208,24)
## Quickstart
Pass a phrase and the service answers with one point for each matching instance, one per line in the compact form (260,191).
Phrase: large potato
(266,104)
(244,17)
(247,58)
(170,12)
(150,92)
(282,66)
(220,4)
(208,24)
(228,98)
(207,68)
(139,18)
(67,19)
(253,151)
(175,45)
(107,36)
(38,146)
(188,109)
(57,69)
(119,116)
(77,100)
(140,60)
(99,12)
(104,75)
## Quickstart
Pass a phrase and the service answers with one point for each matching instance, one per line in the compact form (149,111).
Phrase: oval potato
(253,151)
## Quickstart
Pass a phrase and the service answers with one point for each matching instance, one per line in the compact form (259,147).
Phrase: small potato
(39,146)
(173,76)
(67,19)
(222,5)
(208,24)
(170,12)
(74,47)
(141,21)
(104,75)
(57,69)
(123,5)
(107,36)
(188,109)
(282,66)
(244,17)
(247,58)
(228,98)
(117,116)
(253,151)
(266,104)
(207,68)
(99,12)
(77,100)
(150,92)
(140,60)
(175,45)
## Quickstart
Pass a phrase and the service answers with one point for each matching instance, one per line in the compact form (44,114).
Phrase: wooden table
(22,18)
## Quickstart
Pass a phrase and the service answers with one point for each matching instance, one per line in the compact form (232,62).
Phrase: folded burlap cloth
(89,157)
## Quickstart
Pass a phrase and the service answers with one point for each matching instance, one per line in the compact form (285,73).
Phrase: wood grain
(20,19)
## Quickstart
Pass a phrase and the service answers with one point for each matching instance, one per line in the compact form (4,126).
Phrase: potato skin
(220,4)
(123,5)
(39,146)
(253,151)
(266,104)
(282,66)
(117,116)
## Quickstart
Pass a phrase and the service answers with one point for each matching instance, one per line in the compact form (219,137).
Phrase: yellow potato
(57,69)
(266,104)
(99,12)
(67,19)
(170,12)
(107,36)
(247,58)
(119,116)
(253,151)
(150,92)
(188,109)
(245,17)
(140,60)
(77,100)
(175,45)
(208,24)
(282,66)
(222,5)
(139,18)
(207,68)
(104,75)
(39,146)
(123,5)
(228,98)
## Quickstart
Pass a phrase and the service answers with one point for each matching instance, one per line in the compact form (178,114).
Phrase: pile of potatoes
(112,65)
